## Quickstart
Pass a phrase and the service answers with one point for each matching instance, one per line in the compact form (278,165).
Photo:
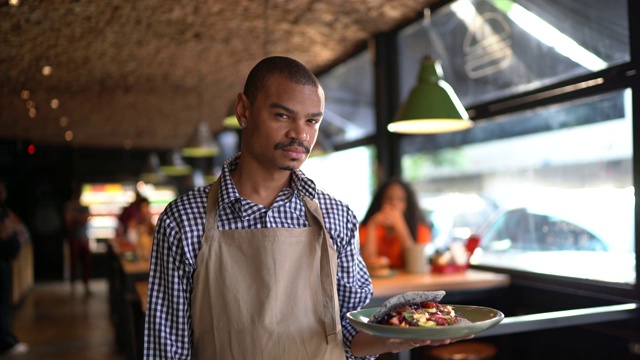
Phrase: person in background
(76,218)
(392,223)
(262,261)
(130,212)
(13,233)
(142,228)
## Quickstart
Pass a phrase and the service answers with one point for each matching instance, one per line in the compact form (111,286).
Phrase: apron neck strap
(327,272)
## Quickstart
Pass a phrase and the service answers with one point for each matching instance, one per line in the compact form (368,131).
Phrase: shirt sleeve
(423,235)
(167,333)
(354,283)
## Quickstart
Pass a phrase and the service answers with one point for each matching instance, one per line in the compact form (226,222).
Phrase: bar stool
(465,350)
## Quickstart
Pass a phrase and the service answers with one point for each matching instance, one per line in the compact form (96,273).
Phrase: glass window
(494,49)
(330,171)
(349,110)
(548,190)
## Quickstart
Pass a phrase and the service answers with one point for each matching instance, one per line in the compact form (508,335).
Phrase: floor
(59,323)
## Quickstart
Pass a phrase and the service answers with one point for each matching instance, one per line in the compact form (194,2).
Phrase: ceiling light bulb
(47,70)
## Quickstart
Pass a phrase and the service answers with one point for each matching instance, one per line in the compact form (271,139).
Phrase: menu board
(107,200)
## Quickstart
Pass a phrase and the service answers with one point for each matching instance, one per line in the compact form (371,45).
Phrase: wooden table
(135,267)
(402,282)
(142,288)
(383,288)
(466,280)
(127,306)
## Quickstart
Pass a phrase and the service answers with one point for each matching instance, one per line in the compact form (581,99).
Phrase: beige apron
(266,293)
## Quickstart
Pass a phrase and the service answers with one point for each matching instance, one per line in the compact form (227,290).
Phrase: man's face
(282,123)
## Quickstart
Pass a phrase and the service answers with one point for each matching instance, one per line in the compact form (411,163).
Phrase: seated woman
(142,228)
(393,222)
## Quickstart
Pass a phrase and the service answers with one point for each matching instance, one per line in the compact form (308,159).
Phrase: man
(274,266)
(76,218)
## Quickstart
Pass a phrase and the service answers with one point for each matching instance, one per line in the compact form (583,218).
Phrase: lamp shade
(230,121)
(151,172)
(432,106)
(201,143)
(176,166)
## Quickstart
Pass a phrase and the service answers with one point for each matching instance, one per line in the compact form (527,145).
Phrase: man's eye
(314,121)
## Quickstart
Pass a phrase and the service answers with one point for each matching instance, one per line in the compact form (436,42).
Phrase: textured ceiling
(141,74)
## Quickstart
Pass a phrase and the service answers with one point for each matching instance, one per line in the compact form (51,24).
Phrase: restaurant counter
(459,286)
(124,271)
(22,272)
(384,288)
(472,286)
(128,279)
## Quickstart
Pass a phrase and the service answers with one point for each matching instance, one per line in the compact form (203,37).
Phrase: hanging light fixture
(201,143)
(432,106)
(230,121)
(176,166)
(210,172)
(151,172)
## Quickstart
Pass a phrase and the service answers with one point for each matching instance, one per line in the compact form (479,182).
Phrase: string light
(47,70)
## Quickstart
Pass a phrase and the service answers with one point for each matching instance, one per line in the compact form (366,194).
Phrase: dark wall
(39,184)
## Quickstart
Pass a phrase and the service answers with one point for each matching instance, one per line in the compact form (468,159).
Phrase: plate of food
(420,315)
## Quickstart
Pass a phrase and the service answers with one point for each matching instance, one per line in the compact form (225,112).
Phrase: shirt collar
(300,184)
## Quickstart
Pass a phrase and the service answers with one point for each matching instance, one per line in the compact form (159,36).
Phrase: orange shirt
(390,246)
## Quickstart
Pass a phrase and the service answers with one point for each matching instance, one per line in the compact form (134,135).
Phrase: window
(330,172)
(349,111)
(492,49)
(551,183)
(349,119)
(549,189)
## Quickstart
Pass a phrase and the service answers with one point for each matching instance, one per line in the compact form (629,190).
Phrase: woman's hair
(413,214)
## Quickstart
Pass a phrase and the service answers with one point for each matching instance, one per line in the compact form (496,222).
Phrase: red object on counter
(448,269)
(472,243)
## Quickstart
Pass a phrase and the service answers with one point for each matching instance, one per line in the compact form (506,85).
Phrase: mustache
(298,143)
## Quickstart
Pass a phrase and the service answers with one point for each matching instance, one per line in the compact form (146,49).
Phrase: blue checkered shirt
(168,333)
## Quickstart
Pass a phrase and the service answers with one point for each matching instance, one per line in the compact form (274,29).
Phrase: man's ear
(242,110)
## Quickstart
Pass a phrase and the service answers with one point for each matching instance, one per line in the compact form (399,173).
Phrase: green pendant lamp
(176,166)
(152,173)
(432,106)
(230,121)
(201,143)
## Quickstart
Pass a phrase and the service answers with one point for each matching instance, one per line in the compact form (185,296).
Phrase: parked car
(578,220)
(525,229)
(582,234)
(455,216)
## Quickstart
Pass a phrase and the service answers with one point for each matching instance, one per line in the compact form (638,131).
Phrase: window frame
(617,77)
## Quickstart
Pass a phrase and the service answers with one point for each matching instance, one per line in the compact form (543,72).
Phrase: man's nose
(298,133)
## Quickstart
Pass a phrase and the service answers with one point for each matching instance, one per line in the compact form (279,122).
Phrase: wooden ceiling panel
(144,72)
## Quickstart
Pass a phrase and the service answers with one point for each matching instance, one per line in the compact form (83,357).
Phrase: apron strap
(211,217)
(327,274)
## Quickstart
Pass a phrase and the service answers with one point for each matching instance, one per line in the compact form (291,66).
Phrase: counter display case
(107,200)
